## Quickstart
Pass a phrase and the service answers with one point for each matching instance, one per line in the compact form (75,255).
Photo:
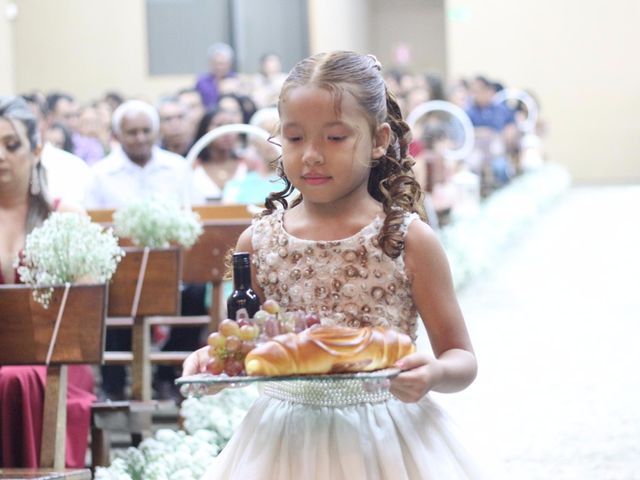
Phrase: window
(179,32)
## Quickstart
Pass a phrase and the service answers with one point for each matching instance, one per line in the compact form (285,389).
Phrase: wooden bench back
(206,212)
(26,326)
(205,261)
(26,330)
(161,286)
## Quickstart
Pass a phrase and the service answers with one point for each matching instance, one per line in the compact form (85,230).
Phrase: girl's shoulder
(423,250)
(266,226)
(412,221)
(268,220)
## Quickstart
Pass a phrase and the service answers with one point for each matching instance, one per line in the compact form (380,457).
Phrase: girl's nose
(312,155)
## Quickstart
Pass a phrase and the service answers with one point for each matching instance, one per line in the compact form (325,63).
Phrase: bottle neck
(241,277)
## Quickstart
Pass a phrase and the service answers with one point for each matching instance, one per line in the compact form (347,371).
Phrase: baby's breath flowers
(67,248)
(185,455)
(156,223)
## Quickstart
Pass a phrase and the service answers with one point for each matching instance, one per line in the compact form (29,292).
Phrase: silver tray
(206,383)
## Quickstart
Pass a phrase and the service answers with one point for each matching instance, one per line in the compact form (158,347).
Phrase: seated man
(136,170)
(175,131)
(62,108)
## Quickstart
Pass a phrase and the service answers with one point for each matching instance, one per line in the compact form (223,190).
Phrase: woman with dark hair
(60,137)
(242,107)
(218,162)
(24,205)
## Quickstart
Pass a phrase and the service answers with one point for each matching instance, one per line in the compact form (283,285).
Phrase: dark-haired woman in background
(24,205)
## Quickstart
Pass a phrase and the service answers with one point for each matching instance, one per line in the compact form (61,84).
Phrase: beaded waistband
(327,393)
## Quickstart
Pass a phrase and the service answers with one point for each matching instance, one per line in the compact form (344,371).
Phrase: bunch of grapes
(235,339)
(272,322)
(230,345)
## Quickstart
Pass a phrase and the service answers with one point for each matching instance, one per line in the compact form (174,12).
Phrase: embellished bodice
(346,282)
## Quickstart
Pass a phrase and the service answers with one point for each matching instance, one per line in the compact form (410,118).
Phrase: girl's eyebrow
(337,123)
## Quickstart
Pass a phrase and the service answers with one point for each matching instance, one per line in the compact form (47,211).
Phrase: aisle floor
(556,329)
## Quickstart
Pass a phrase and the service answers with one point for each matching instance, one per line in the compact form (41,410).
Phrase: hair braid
(393,183)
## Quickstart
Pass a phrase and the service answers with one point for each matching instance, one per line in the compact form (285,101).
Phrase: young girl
(352,247)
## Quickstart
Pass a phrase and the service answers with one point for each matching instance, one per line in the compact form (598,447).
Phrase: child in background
(353,247)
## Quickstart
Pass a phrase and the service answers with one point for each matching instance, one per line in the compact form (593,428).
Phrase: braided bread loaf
(329,349)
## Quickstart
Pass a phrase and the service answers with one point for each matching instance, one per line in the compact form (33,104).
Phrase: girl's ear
(381,140)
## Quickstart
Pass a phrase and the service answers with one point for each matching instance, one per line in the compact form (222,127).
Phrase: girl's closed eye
(337,138)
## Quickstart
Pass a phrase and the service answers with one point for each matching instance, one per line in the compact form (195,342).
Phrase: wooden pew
(26,331)
(205,261)
(206,212)
(159,295)
(159,305)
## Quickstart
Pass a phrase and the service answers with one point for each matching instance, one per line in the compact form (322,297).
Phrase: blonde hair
(391,180)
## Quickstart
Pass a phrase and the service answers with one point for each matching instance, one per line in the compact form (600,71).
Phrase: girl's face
(327,151)
(16,157)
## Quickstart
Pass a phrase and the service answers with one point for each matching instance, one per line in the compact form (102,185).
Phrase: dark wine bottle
(243,297)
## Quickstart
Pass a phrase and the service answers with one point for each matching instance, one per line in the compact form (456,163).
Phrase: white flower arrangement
(219,413)
(156,223)
(67,248)
(185,455)
(168,455)
(473,243)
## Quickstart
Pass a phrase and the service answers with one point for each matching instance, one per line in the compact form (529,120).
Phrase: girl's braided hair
(391,181)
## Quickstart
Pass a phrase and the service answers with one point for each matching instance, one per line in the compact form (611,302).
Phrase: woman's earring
(35,181)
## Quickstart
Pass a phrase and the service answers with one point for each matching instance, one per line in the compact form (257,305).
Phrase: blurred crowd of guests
(112,151)
(504,138)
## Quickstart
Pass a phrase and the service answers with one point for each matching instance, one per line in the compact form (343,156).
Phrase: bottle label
(242,313)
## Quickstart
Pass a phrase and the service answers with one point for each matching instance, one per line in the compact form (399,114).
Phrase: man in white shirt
(137,169)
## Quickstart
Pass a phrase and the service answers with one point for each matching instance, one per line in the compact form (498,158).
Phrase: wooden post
(141,367)
(54,428)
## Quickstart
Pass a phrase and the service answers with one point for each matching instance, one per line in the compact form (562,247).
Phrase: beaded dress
(339,430)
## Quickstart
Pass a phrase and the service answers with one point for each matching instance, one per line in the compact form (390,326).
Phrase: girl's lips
(315,179)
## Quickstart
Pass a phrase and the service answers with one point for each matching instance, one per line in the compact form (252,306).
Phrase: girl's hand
(196,362)
(420,373)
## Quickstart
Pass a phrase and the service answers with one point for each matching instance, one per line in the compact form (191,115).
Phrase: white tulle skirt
(305,430)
